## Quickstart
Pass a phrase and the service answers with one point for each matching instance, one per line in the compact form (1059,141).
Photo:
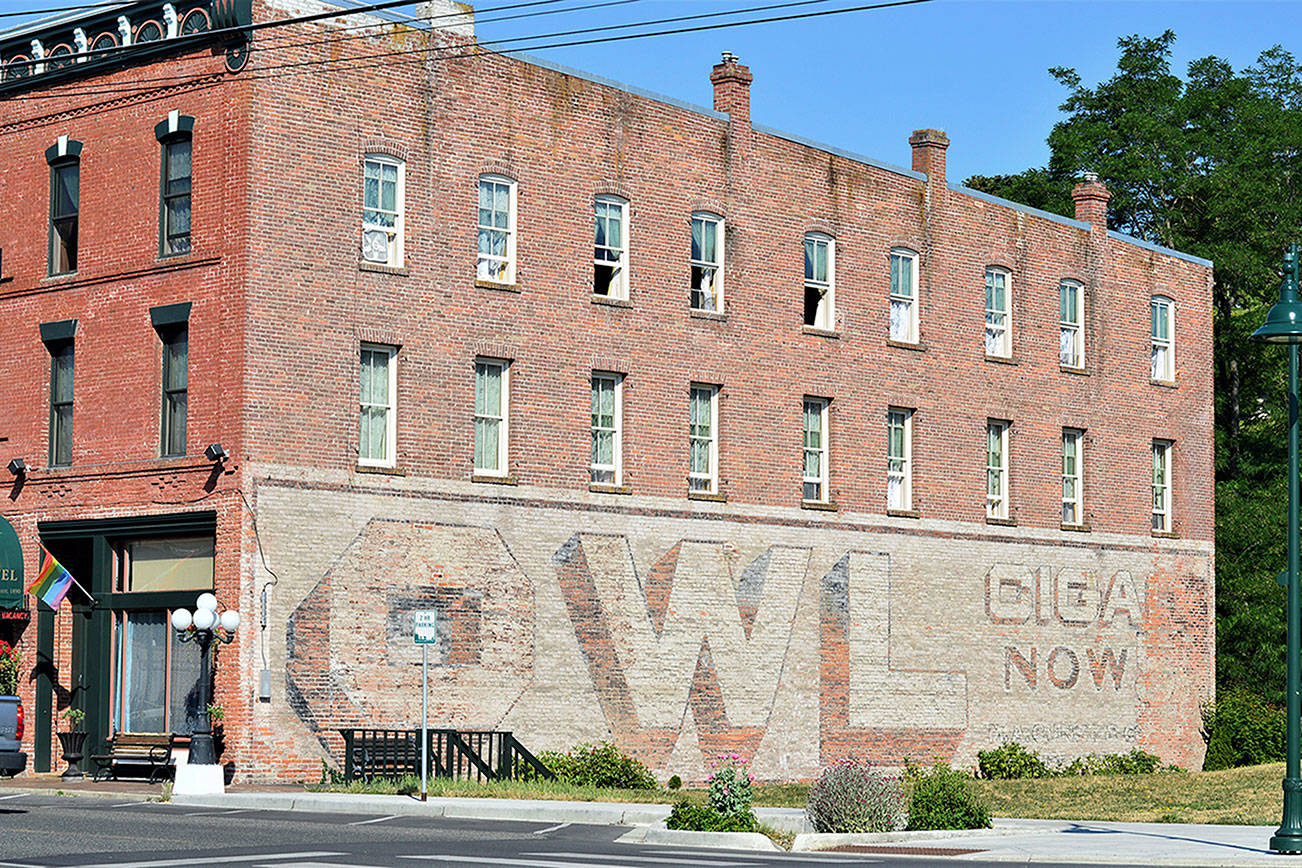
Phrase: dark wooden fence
(479,756)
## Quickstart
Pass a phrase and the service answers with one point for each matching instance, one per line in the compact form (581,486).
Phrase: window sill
(904,513)
(600,488)
(62,275)
(610,301)
(706,495)
(915,346)
(380,469)
(714,315)
(1068,369)
(1164,384)
(1001,360)
(1001,522)
(820,333)
(493,480)
(173,257)
(500,287)
(824,505)
(1165,534)
(1076,528)
(377,268)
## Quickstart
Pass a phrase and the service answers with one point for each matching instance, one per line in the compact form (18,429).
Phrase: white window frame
(999,336)
(608,474)
(619,281)
(485,261)
(997,474)
(704,482)
(899,467)
(1162,486)
(390,457)
(907,333)
(820,451)
(708,218)
(1069,330)
(393,235)
(502,419)
(1164,307)
(825,313)
(1073,477)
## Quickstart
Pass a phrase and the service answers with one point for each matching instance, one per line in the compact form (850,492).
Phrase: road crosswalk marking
(208,860)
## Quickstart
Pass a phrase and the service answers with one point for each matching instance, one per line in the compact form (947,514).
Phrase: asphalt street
(51,831)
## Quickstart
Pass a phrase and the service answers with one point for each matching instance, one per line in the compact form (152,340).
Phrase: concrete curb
(683,838)
(828,840)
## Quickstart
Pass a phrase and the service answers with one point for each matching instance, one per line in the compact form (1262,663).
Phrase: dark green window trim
(63,330)
(71,151)
(169,314)
(176,373)
(164,129)
(65,214)
(175,134)
(170,524)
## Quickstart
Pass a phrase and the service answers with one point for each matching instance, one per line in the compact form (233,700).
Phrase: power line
(354,63)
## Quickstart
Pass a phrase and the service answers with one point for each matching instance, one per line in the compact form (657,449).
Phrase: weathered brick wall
(793,638)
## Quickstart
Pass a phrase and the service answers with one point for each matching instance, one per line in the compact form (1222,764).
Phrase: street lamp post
(201,774)
(1284,326)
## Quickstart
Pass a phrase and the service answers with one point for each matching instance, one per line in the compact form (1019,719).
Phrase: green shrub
(1242,729)
(851,797)
(1010,760)
(944,798)
(598,765)
(704,818)
(675,783)
(1137,762)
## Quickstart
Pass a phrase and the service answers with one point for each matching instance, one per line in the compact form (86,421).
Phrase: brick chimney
(731,82)
(929,155)
(1091,198)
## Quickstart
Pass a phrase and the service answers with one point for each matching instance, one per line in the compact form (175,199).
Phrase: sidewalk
(1011,840)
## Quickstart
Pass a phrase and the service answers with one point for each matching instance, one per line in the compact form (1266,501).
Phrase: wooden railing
(460,755)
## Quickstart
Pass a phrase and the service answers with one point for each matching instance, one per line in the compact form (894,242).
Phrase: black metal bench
(153,749)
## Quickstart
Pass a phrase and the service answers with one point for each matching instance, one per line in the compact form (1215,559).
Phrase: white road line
(19,865)
(551,829)
(209,860)
(373,820)
(14,796)
(314,865)
(128,804)
(217,813)
(807,855)
(606,861)
(696,857)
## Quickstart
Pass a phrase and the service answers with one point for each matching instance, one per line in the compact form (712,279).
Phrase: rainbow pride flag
(52,585)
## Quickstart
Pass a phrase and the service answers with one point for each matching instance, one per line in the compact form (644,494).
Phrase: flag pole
(73,578)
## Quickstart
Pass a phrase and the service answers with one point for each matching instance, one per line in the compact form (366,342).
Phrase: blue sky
(865,81)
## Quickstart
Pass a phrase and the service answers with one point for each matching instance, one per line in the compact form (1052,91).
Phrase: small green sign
(11,567)
(425,627)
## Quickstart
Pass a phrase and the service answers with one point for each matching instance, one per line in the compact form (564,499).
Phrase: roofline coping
(1018,206)
(608,82)
(1157,248)
(840,152)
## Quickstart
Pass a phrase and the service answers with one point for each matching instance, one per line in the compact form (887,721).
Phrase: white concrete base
(197,780)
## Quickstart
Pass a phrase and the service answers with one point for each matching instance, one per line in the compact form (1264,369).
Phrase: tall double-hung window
(820,281)
(899,459)
(1073,510)
(997,469)
(1162,486)
(58,338)
(607,429)
(383,181)
(610,249)
(1162,321)
(999,319)
(1071,318)
(703,439)
(814,442)
(707,262)
(496,229)
(904,296)
(378,415)
(492,393)
(175,136)
(172,322)
(64,157)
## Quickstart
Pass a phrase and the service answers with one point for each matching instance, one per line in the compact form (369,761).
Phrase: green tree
(1208,164)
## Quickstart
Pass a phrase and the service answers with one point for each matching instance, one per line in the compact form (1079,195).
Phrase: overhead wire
(404,56)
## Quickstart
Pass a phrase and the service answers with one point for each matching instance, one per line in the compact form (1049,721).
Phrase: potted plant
(73,741)
(215,714)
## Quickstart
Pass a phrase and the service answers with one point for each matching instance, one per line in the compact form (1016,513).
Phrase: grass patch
(1243,796)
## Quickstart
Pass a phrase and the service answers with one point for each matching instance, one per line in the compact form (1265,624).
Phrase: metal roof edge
(840,152)
(608,82)
(1157,248)
(1018,206)
(59,20)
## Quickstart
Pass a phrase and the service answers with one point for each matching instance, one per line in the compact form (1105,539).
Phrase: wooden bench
(153,749)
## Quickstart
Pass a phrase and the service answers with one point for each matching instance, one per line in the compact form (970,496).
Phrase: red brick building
(807,455)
